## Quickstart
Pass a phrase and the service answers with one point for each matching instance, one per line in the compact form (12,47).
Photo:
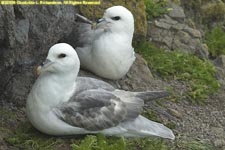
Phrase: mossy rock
(213,11)
(137,7)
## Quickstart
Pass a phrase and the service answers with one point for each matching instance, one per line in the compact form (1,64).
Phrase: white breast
(113,55)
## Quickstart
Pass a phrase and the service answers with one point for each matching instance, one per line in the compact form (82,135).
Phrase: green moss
(200,74)
(205,12)
(156,8)
(216,41)
(171,125)
(100,142)
(137,8)
(177,2)
(7,114)
(27,138)
(194,145)
(151,115)
(213,11)
(146,144)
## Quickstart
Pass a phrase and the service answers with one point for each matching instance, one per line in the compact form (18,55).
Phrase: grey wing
(96,110)
(86,35)
(86,83)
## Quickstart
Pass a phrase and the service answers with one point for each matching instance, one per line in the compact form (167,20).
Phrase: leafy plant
(156,8)
(174,65)
(216,41)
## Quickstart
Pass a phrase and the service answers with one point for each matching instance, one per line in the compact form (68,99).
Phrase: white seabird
(107,51)
(60,103)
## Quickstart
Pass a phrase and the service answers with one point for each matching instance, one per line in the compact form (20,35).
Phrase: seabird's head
(62,58)
(117,19)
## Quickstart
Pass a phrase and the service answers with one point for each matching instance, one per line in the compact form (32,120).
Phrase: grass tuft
(216,41)
(156,8)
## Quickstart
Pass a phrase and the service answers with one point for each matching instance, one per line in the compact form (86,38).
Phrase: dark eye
(116,18)
(61,55)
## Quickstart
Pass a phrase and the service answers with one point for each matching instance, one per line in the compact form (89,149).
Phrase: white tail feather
(143,127)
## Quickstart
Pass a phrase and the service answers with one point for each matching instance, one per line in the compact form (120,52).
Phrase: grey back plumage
(97,109)
(95,106)
(86,35)
(85,83)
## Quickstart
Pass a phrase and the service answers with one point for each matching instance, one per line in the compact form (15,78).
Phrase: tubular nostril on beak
(100,20)
(45,62)
(42,64)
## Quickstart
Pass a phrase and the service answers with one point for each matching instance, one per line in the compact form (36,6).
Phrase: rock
(177,12)
(181,47)
(220,74)
(170,34)
(168,20)
(24,42)
(162,24)
(138,78)
(193,32)
(219,142)
(183,37)
(175,113)
(166,35)
(2,32)
(201,50)
(3,145)
(178,26)
(22,30)
(154,32)
(219,132)
(9,23)
(220,61)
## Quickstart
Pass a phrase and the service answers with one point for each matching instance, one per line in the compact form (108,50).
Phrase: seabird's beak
(38,70)
(100,20)
(83,19)
(101,24)
(43,66)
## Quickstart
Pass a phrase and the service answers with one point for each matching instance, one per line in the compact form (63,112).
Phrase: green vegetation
(205,12)
(156,8)
(148,113)
(146,144)
(216,41)
(27,138)
(194,145)
(200,74)
(6,114)
(213,11)
(99,142)
(177,2)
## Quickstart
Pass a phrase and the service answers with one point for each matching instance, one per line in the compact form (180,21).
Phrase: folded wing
(97,109)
